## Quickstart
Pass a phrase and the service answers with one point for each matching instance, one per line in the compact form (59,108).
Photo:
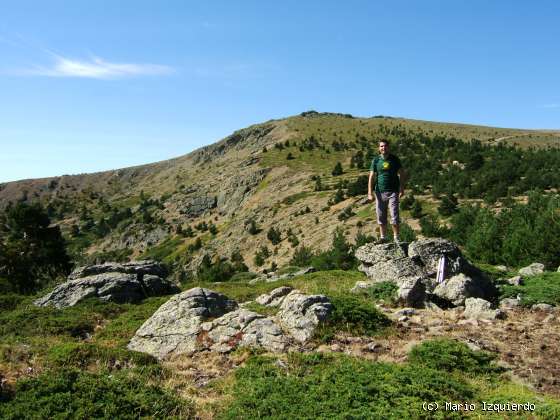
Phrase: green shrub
(354,316)
(324,386)
(544,288)
(340,255)
(80,395)
(451,355)
(385,290)
(302,256)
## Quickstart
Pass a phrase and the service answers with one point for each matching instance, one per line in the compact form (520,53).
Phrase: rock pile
(201,319)
(413,268)
(127,282)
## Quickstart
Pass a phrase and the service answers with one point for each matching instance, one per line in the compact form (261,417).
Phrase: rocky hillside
(227,196)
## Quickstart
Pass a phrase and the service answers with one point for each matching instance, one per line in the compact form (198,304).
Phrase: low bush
(451,355)
(328,386)
(80,395)
(354,316)
(385,290)
(544,288)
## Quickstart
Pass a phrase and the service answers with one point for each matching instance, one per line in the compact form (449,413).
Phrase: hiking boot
(380,241)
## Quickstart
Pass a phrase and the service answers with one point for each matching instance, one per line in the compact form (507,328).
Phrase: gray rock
(412,291)
(413,269)
(510,303)
(236,190)
(300,314)
(480,309)
(405,312)
(532,270)
(114,287)
(501,268)
(457,289)
(275,297)
(543,307)
(515,281)
(176,326)
(241,328)
(361,286)
(430,250)
(133,267)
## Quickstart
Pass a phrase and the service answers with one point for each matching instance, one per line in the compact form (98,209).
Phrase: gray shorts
(384,199)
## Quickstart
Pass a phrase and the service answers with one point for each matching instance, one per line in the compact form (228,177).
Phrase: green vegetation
(385,291)
(352,315)
(319,385)
(451,356)
(81,395)
(516,236)
(326,386)
(32,253)
(543,288)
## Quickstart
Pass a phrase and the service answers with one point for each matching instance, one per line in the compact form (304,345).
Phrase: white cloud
(97,68)
(550,106)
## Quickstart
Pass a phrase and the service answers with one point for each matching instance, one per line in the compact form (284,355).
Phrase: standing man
(389,178)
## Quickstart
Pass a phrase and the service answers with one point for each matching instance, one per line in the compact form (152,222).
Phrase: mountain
(275,174)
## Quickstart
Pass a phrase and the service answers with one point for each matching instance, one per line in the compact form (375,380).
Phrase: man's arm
(403,178)
(371,181)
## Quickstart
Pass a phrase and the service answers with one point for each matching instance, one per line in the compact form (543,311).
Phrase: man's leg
(381,211)
(395,219)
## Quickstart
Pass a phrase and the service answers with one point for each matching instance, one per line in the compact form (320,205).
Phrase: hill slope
(266,174)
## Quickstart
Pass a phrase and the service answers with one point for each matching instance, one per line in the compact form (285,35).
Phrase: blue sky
(94,85)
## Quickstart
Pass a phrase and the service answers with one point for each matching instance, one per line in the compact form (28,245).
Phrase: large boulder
(458,288)
(476,308)
(413,268)
(387,262)
(430,250)
(201,319)
(532,270)
(133,267)
(121,283)
(241,328)
(301,314)
(176,325)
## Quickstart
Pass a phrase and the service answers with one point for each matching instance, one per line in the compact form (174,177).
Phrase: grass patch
(80,395)
(166,251)
(122,328)
(450,355)
(82,355)
(330,386)
(543,288)
(262,309)
(291,199)
(76,321)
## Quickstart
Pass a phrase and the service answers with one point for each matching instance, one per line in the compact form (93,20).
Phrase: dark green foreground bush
(451,355)
(70,394)
(327,386)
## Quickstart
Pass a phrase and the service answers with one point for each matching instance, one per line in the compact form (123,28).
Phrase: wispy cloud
(96,68)
(555,105)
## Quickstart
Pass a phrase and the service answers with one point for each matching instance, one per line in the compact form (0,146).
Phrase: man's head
(384,147)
